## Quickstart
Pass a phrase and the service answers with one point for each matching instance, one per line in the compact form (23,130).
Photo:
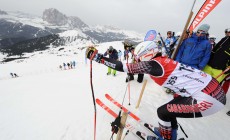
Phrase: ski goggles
(201,32)
(212,38)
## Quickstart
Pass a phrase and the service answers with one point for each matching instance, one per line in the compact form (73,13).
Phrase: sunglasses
(200,32)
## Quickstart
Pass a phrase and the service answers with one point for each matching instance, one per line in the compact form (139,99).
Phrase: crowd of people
(197,76)
(68,65)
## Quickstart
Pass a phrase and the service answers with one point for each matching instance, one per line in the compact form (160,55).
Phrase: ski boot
(157,132)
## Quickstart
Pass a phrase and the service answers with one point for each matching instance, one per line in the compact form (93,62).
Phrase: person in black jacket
(220,58)
(114,55)
(130,76)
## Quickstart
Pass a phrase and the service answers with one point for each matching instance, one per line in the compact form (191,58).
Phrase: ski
(140,135)
(142,123)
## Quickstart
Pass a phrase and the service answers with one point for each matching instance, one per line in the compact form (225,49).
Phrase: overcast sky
(136,15)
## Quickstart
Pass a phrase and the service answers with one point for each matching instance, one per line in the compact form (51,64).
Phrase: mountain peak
(3,12)
(53,16)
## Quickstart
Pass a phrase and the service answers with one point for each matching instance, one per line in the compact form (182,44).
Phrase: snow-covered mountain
(22,32)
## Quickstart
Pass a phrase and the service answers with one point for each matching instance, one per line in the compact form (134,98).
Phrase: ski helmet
(212,37)
(227,30)
(145,50)
(178,34)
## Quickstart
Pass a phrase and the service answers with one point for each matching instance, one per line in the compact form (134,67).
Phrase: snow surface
(46,103)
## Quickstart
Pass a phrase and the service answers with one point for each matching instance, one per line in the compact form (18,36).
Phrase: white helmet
(178,34)
(213,37)
(146,50)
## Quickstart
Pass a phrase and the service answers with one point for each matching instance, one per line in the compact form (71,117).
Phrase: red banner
(207,7)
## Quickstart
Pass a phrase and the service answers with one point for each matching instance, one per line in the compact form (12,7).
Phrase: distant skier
(60,67)
(64,66)
(71,64)
(15,75)
(68,64)
(74,64)
(12,75)
(197,93)
(119,55)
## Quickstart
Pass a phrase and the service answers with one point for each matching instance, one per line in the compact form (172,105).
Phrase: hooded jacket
(195,51)
(220,57)
(113,54)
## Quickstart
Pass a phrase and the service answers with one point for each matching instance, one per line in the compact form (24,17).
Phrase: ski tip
(146,125)
(228,113)
(138,133)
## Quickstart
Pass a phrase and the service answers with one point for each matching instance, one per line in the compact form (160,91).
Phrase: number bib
(184,80)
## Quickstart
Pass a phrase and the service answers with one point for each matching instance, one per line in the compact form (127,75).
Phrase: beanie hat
(204,27)
(110,48)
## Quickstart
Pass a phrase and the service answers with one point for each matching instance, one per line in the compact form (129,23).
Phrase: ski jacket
(169,41)
(113,55)
(220,57)
(194,51)
(119,53)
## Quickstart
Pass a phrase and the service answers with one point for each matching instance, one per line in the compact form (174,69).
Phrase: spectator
(127,46)
(74,64)
(60,67)
(15,75)
(212,40)
(130,76)
(64,66)
(195,51)
(114,55)
(119,55)
(68,64)
(169,41)
(220,58)
(71,64)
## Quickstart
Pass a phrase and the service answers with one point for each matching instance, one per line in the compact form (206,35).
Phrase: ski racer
(196,95)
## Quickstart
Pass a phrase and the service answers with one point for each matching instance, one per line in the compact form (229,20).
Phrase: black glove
(98,57)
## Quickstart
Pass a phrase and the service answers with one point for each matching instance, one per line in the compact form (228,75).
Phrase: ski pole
(91,83)
(128,79)
(223,72)
(183,33)
(164,44)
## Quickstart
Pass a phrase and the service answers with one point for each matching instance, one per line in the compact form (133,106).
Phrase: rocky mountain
(21,32)
(3,12)
(54,17)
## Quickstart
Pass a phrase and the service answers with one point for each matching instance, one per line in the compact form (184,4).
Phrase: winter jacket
(195,51)
(169,41)
(113,55)
(220,57)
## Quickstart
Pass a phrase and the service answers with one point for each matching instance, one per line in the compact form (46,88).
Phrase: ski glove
(98,57)
(91,53)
